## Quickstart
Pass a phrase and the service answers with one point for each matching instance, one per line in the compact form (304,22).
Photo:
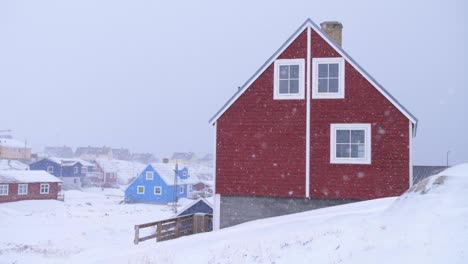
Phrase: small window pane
(294,71)
(284,72)
(294,86)
(333,70)
(342,150)
(323,70)
(357,150)
(357,136)
(333,85)
(342,136)
(322,85)
(283,87)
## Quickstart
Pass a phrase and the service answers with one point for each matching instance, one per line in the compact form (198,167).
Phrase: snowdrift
(427,224)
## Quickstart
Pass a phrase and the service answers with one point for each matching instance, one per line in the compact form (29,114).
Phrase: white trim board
(308,86)
(310,24)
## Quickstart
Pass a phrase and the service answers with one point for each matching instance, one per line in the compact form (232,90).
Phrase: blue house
(70,171)
(156,184)
(198,206)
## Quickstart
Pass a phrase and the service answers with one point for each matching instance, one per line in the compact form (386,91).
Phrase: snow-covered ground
(428,224)
(51,231)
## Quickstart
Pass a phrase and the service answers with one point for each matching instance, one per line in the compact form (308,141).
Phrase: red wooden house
(17,185)
(311,128)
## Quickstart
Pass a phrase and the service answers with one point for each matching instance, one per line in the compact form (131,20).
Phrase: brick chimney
(333,30)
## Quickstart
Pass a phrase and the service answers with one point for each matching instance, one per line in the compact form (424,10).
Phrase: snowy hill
(428,224)
(125,170)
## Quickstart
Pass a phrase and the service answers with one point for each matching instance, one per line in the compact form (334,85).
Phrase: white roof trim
(310,23)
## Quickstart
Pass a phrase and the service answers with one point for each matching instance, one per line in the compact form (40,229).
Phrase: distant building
(13,149)
(200,205)
(183,157)
(70,171)
(63,152)
(156,184)
(121,154)
(16,185)
(145,158)
(208,158)
(92,153)
(13,165)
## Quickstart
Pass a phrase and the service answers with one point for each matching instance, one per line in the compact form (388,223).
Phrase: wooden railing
(176,227)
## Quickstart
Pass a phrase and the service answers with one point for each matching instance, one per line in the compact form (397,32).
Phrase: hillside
(428,224)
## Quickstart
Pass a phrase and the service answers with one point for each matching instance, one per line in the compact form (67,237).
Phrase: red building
(17,185)
(311,128)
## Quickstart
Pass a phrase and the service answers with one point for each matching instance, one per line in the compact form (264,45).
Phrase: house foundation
(240,209)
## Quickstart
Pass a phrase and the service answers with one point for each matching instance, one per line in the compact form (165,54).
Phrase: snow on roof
(166,172)
(6,164)
(12,143)
(125,170)
(69,162)
(26,176)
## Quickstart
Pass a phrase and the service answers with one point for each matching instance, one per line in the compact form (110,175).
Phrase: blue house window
(149,175)
(181,189)
(50,169)
(157,190)
(76,169)
(140,189)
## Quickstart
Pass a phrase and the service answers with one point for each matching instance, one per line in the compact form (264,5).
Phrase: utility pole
(176,175)
(447,158)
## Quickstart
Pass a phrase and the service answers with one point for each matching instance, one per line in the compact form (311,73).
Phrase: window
(149,175)
(84,169)
(76,169)
(157,190)
(289,79)
(44,188)
(22,189)
(184,173)
(50,169)
(350,143)
(140,189)
(328,78)
(181,189)
(3,189)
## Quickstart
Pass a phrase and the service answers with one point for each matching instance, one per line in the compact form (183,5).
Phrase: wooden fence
(176,227)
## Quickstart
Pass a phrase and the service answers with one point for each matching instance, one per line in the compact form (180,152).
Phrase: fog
(148,75)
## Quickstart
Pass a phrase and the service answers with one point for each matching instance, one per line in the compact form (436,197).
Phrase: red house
(311,128)
(17,185)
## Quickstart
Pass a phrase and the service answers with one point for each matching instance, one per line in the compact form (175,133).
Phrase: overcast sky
(148,76)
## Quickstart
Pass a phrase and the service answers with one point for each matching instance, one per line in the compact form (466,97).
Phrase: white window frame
(341,78)
(138,189)
(181,189)
(160,190)
(50,169)
(368,143)
(76,169)
(151,174)
(4,188)
(23,189)
(298,96)
(43,187)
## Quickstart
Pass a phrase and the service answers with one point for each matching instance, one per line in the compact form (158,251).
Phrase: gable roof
(201,199)
(346,56)
(68,162)
(166,172)
(26,176)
